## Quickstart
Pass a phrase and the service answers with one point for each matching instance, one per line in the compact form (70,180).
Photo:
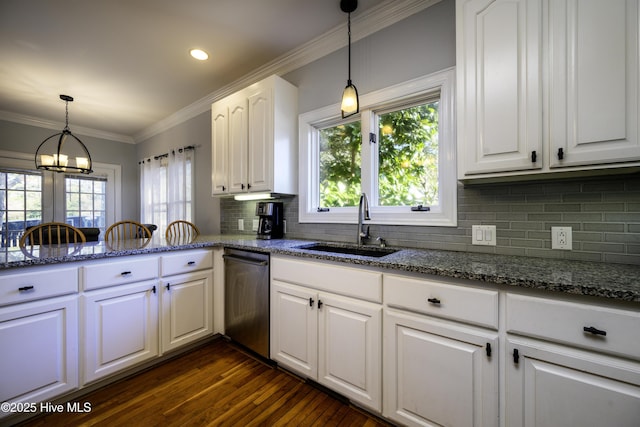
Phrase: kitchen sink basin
(349,250)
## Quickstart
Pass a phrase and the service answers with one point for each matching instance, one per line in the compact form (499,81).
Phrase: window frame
(53,187)
(422,88)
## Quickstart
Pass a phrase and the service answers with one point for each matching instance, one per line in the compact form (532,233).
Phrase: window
(166,185)
(30,196)
(86,201)
(20,204)
(400,151)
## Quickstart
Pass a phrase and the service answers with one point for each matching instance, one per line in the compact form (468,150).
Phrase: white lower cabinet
(39,356)
(121,328)
(439,373)
(329,338)
(549,385)
(186,313)
(571,364)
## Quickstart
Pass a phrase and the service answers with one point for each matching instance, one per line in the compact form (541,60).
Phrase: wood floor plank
(218,384)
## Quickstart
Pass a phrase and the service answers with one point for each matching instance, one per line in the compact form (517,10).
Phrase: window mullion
(368,155)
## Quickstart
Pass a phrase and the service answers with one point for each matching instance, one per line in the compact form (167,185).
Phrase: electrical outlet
(284,226)
(561,238)
(483,235)
(254,226)
(241,224)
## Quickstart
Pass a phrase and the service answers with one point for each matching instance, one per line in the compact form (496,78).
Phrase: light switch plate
(240,224)
(483,235)
(255,225)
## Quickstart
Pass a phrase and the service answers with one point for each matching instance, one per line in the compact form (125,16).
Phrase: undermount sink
(349,250)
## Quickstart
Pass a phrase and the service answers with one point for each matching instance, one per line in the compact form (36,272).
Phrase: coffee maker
(271,224)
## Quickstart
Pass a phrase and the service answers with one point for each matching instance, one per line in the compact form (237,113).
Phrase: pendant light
(64,152)
(350,104)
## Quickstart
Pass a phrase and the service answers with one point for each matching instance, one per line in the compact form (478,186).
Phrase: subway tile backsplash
(603,212)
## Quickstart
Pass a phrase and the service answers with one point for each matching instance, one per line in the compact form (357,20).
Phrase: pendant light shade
(350,104)
(64,152)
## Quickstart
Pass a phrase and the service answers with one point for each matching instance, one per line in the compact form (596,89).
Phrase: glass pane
(73,185)
(408,156)
(34,200)
(86,201)
(99,187)
(86,186)
(15,200)
(340,159)
(15,181)
(3,180)
(34,182)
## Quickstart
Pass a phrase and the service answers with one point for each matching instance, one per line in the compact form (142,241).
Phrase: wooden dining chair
(52,233)
(181,230)
(51,239)
(127,230)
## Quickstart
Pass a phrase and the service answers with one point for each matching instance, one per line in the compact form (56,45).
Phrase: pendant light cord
(349,32)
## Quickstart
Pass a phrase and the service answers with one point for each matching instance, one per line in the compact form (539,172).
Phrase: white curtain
(180,184)
(166,186)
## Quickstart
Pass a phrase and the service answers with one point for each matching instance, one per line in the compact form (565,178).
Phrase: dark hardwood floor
(217,384)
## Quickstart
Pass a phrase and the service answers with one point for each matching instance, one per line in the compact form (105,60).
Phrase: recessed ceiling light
(199,54)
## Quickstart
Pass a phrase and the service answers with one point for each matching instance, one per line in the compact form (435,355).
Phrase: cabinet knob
(319,304)
(242,186)
(191,263)
(153,289)
(435,301)
(311,301)
(224,188)
(560,153)
(168,286)
(25,288)
(534,156)
(125,273)
(248,186)
(516,356)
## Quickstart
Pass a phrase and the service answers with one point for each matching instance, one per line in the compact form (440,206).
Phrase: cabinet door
(549,386)
(121,328)
(499,85)
(294,328)
(238,116)
(261,134)
(220,144)
(187,309)
(350,349)
(594,82)
(439,373)
(39,357)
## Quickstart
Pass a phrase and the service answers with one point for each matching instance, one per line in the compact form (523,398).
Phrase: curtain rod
(180,150)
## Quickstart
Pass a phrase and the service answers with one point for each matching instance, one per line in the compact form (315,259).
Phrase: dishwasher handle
(245,260)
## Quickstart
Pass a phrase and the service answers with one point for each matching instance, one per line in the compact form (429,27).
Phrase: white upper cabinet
(254,134)
(593,82)
(499,92)
(546,86)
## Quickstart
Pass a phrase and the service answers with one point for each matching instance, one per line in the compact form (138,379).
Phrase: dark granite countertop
(614,281)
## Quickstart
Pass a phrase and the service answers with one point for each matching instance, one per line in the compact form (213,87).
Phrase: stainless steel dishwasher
(246,299)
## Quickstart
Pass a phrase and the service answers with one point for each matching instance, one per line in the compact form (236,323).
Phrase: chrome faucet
(363,214)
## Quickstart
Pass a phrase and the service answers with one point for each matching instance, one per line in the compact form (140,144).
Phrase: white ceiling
(127,63)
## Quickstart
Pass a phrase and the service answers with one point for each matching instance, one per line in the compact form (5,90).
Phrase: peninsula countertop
(606,280)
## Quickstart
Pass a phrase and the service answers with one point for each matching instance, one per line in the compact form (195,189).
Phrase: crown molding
(49,124)
(363,25)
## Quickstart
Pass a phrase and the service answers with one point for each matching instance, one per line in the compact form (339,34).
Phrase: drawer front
(340,280)
(186,261)
(37,283)
(470,305)
(565,322)
(126,270)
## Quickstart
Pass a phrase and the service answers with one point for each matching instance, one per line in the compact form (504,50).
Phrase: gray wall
(196,132)
(26,139)
(604,212)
